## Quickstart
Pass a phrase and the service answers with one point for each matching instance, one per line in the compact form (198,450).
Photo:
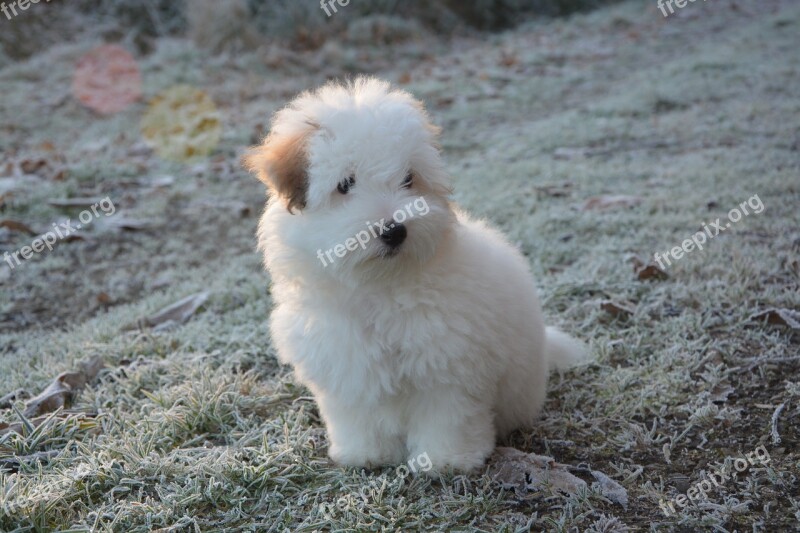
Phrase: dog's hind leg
(522,391)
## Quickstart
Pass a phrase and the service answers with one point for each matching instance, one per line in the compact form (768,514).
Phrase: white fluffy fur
(438,349)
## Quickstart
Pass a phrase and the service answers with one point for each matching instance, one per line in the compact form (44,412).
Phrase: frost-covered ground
(592,141)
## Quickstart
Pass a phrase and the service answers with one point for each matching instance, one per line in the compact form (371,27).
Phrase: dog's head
(356,182)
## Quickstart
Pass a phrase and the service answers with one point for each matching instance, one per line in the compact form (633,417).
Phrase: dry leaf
(779,317)
(720,392)
(32,166)
(555,190)
(508,58)
(522,471)
(177,313)
(611,489)
(62,391)
(8,428)
(13,225)
(445,101)
(618,309)
(651,271)
(610,201)
(8,400)
(59,174)
(3,198)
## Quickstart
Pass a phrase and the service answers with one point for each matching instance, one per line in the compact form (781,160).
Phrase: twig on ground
(776,438)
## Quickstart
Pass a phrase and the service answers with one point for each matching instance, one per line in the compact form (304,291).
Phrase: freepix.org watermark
(23,5)
(732,468)
(423,464)
(376,229)
(328,5)
(60,231)
(680,4)
(699,239)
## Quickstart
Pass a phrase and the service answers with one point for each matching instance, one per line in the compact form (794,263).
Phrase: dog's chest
(403,334)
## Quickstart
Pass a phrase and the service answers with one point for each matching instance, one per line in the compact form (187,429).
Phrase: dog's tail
(562,351)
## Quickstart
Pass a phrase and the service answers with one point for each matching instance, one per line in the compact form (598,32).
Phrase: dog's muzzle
(394,234)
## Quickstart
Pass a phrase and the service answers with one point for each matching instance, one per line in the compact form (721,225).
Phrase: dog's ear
(281,163)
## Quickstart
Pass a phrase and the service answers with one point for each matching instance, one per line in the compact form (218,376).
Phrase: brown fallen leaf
(5,427)
(59,174)
(63,390)
(8,400)
(14,225)
(445,101)
(618,309)
(778,317)
(650,271)
(523,472)
(557,190)
(509,58)
(32,166)
(720,392)
(610,201)
(174,314)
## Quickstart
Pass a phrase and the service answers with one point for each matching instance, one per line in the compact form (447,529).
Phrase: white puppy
(417,329)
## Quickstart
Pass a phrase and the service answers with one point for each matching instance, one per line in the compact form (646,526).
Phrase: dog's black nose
(394,234)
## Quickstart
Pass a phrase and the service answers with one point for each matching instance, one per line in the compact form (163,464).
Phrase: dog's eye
(344,186)
(408,181)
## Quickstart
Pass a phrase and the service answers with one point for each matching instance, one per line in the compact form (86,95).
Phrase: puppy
(417,329)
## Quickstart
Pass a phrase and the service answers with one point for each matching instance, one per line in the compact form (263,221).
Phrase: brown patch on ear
(281,163)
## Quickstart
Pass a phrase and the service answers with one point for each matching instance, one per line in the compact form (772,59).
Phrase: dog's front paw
(356,454)
(367,450)
(463,461)
(351,456)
